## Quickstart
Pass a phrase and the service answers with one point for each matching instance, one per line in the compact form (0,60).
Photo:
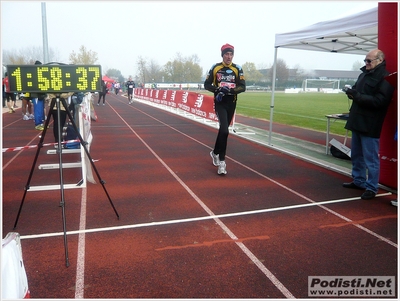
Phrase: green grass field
(306,110)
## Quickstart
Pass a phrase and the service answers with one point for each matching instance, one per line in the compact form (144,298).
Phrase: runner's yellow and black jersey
(226,75)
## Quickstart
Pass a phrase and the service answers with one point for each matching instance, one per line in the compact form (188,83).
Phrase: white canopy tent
(354,34)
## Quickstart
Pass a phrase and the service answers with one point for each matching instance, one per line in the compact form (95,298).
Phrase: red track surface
(184,231)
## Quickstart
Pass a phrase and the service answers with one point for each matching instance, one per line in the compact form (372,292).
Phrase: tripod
(57,102)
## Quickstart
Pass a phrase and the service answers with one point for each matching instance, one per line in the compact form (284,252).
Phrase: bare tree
(143,72)
(357,65)
(299,74)
(155,71)
(84,56)
(27,56)
(282,72)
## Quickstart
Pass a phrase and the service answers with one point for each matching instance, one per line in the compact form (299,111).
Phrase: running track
(184,231)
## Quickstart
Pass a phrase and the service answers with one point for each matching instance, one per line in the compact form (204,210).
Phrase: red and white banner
(194,103)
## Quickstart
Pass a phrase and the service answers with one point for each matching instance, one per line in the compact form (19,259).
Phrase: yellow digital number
(56,78)
(18,81)
(82,80)
(43,82)
(96,76)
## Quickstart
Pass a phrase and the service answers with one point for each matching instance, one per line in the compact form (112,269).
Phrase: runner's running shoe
(222,168)
(215,158)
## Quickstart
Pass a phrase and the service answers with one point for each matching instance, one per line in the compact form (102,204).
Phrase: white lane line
(80,265)
(197,219)
(279,184)
(258,263)
(18,153)
(272,278)
(321,203)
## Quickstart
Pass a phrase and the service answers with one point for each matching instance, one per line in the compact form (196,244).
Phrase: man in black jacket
(371,95)
(103,93)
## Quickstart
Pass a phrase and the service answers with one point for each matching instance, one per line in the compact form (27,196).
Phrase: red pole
(387,42)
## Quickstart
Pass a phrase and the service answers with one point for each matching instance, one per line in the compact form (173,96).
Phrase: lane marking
(19,152)
(273,181)
(197,219)
(82,231)
(258,263)
(80,265)
(270,276)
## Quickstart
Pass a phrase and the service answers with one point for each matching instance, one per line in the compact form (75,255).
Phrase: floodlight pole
(44,33)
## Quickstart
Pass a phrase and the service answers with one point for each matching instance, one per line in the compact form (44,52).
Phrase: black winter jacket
(369,107)
(231,76)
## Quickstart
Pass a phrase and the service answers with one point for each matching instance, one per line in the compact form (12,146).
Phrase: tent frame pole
(271,115)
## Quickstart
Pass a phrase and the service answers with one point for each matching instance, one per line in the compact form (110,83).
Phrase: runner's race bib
(226,84)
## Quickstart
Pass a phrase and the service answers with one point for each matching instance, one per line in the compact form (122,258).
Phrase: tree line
(179,70)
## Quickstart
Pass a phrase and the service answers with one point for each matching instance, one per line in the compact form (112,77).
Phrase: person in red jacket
(10,96)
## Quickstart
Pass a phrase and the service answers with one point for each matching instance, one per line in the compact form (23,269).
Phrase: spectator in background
(226,81)
(9,96)
(102,94)
(15,101)
(117,86)
(38,100)
(38,107)
(63,114)
(26,106)
(110,86)
(4,94)
(371,95)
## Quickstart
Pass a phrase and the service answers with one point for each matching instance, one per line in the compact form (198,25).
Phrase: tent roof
(107,79)
(354,34)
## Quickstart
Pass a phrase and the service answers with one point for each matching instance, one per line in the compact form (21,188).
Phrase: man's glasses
(369,61)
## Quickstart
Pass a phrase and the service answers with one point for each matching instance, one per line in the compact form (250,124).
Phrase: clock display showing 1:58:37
(54,78)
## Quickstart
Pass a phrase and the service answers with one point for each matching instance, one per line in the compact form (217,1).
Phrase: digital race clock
(54,78)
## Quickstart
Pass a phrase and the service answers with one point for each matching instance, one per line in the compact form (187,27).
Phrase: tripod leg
(40,145)
(59,151)
(84,143)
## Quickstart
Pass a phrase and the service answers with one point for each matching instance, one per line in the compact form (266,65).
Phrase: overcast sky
(121,31)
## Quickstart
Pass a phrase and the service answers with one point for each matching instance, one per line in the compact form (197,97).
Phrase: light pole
(44,33)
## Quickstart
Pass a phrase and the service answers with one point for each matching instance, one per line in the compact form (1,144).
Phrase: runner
(130,85)
(226,81)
